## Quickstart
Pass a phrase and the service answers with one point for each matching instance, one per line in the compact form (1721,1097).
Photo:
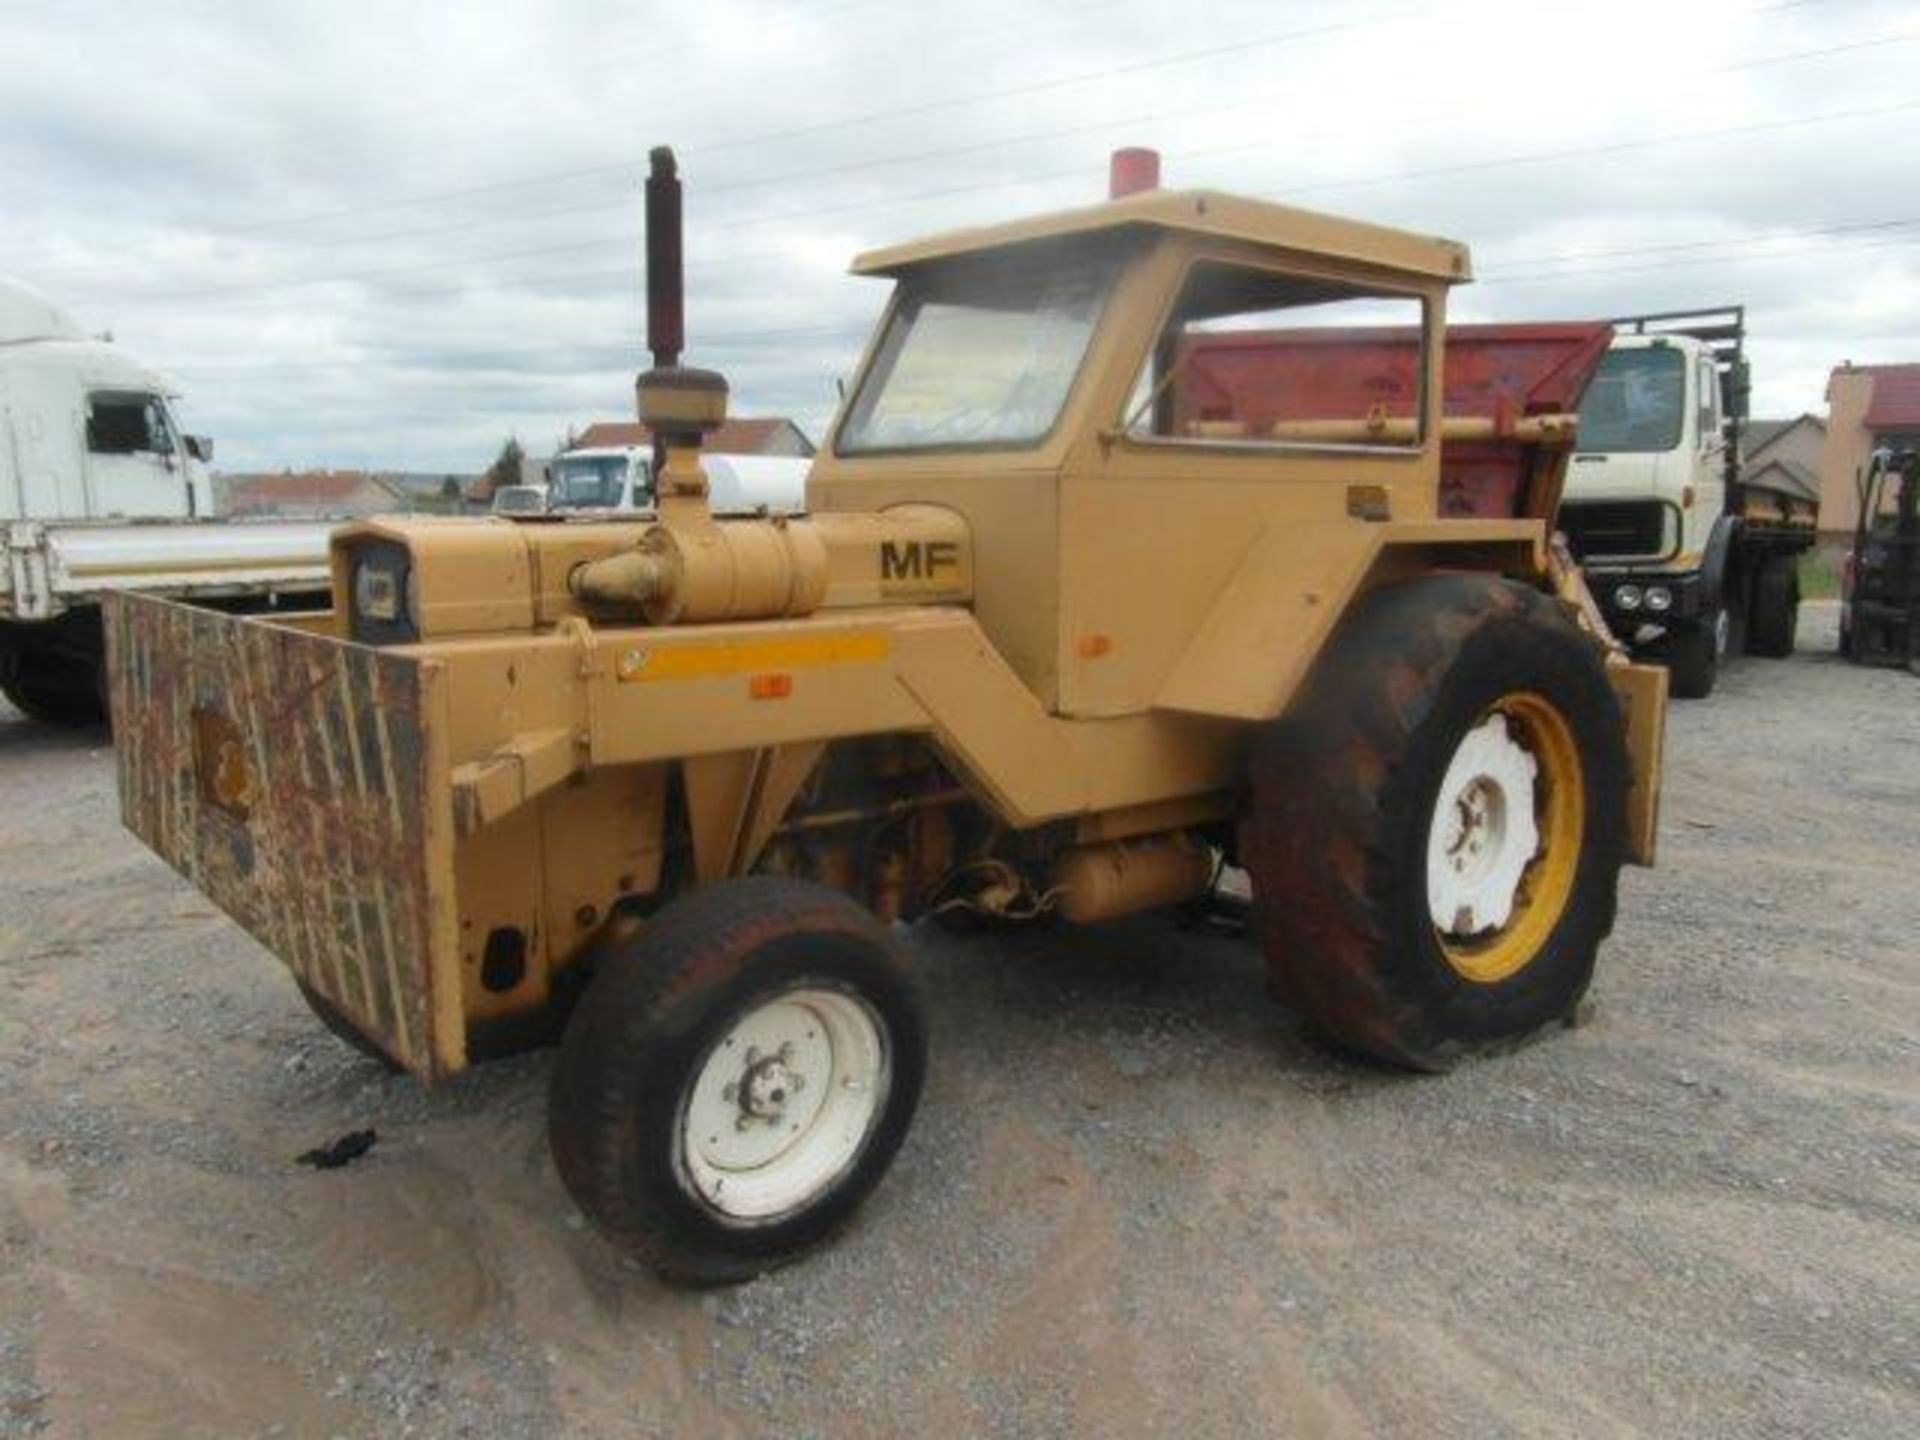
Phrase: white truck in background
(100,489)
(620,477)
(1689,560)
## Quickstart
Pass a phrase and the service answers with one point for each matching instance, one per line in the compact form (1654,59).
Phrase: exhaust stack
(680,406)
(666,292)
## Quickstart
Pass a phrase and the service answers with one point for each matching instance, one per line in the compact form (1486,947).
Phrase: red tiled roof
(1896,397)
(735,437)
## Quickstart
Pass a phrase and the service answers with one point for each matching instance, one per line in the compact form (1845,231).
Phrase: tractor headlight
(376,594)
(384,605)
(1627,597)
(1659,599)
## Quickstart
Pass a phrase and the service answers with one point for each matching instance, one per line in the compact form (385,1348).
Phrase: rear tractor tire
(737,1078)
(1435,836)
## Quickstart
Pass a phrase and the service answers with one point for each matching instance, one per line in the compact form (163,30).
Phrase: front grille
(1615,529)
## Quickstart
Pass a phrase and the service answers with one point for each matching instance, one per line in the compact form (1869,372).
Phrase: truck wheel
(1692,654)
(54,697)
(1434,840)
(1776,609)
(737,1078)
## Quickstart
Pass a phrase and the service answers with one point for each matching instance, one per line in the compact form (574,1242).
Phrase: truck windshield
(1636,402)
(981,351)
(588,482)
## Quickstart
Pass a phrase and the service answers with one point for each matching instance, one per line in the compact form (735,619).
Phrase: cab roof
(1206,213)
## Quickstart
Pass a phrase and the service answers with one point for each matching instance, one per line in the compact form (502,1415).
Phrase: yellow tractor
(1061,633)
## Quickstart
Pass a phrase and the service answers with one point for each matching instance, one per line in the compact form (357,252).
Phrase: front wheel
(737,1077)
(1692,654)
(56,694)
(1434,840)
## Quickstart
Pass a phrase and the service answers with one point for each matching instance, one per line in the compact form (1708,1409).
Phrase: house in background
(1867,406)
(770,435)
(310,495)
(434,491)
(1784,454)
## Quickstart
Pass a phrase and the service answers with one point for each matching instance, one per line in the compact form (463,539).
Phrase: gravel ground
(1138,1197)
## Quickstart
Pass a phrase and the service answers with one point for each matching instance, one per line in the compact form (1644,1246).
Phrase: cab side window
(1709,418)
(121,423)
(1258,358)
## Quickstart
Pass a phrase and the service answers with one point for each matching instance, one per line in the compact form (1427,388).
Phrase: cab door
(135,464)
(1709,484)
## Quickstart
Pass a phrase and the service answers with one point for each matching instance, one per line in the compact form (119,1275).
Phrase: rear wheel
(1776,609)
(1435,840)
(55,672)
(55,693)
(737,1078)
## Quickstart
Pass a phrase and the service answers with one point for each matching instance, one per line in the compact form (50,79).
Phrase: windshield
(588,482)
(981,351)
(1636,403)
(518,500)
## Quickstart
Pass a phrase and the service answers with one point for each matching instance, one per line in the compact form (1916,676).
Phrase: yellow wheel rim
(1505,837)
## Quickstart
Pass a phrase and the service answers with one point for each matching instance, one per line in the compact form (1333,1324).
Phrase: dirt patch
(1138,1198)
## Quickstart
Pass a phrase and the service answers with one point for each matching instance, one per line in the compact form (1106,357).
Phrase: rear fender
(1270,621)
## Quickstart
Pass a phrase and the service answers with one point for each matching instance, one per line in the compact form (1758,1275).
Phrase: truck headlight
(1627,597)
(1659,599)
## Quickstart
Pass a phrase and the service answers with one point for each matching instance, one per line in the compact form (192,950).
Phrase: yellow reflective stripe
(738,657)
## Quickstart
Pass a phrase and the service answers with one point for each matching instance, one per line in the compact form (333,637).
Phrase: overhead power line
(816,211)
(613,351)
(1734,256)
(1588,152)
(632,164)
(1580,257)
(790,177)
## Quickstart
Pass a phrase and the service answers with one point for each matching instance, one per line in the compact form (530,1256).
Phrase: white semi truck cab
(90,432)
(620,477)
(102,488)
(1688,561)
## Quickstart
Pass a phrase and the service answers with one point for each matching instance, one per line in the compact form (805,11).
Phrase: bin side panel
(287,775)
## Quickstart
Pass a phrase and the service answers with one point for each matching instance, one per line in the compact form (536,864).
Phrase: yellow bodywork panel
(1077,638)
(1643,702)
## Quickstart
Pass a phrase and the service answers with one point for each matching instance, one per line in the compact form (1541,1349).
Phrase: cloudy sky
(391,234)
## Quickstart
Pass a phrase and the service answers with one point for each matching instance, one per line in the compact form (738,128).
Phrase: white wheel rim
(1483,834)
(782,1103)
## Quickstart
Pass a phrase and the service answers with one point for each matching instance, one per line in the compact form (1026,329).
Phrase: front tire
(1692,654)
(1435,838)
(737,1078)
